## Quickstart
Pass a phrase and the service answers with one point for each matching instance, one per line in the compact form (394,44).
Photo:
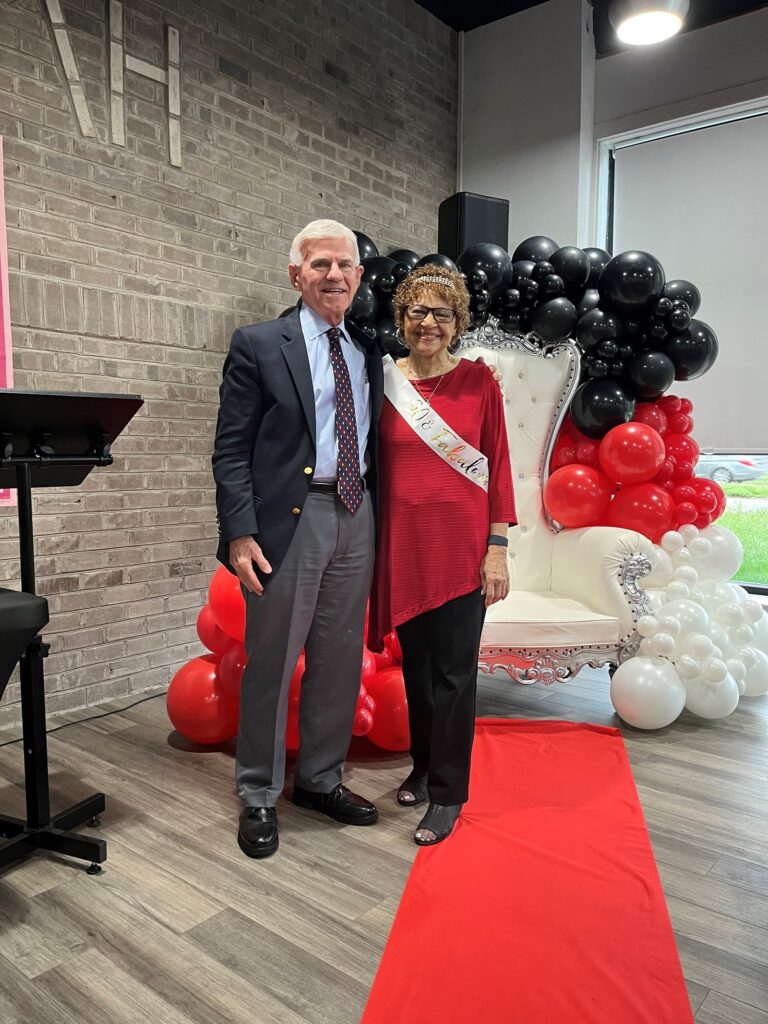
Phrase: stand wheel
(94,822)
(93,869)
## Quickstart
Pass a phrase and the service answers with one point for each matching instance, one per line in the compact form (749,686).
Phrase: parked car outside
(728,468)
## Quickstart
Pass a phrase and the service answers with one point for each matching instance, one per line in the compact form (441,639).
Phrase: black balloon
(492,260)
(477,280)
(597,368)
(650,374)
(631,284)
(598,260)
(572,265)
(510,299)
(590,299)
(599,405)
(375,267)
(693,351)
(554,320)
(535,248)
(365,246)
(541,270)
(595,327)
(388,339)
(400,271)
(365,305)
(528,289)
(385,284)
(616,368)
(510,320)
(663,308)
(684,290)
(657,329)
(405,256)
(551,287)
(481,301)
(438,260)
(679,319)
(626,351)
(368,328)
(608,349)
(522,269)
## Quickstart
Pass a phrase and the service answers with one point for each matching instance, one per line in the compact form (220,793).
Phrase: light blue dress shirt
(315,329)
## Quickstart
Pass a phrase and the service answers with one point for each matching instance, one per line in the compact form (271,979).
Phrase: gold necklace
(441,376)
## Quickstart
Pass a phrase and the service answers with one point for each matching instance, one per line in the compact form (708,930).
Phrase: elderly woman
(445,504)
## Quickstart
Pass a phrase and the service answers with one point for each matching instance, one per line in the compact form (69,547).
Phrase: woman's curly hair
(443,282)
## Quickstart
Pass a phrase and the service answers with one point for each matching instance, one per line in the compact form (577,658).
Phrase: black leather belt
(331,485)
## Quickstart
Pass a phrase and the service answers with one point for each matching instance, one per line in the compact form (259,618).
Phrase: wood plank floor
(181,928)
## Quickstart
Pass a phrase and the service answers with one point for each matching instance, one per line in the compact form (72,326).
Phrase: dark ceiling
(464,16)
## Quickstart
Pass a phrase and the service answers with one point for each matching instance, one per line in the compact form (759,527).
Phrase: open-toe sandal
(415,787)
(440,820)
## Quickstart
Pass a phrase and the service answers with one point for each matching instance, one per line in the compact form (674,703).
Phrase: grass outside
(751,527)
(748,489)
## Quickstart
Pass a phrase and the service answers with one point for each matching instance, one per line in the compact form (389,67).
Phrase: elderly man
(295,468)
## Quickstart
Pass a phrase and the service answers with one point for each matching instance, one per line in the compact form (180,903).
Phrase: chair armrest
(600,566)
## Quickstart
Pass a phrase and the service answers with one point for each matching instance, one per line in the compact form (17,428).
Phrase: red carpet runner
(545,906)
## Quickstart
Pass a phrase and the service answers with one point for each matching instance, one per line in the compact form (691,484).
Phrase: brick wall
(128,275)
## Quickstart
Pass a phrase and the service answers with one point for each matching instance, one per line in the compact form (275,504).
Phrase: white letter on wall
(64,46)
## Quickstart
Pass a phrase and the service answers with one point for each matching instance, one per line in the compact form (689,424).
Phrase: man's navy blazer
(265,447)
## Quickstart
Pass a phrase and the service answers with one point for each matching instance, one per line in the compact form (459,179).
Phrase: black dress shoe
(339,804)
(257,835)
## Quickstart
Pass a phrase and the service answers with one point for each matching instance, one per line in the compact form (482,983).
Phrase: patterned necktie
(348,471)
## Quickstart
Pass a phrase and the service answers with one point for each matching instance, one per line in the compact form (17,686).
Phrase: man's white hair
(321,229)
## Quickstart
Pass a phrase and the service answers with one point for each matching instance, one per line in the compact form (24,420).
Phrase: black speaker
(466,218)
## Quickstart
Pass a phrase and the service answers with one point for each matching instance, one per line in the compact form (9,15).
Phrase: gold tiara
(434,279)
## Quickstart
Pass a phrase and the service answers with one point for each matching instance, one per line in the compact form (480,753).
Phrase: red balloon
(227,604)
(198,707)
(666,471)
(684,492)
(294,702)
(670,404)
(683,471)
(631,453)
(231,669)
(390,723)
(679,423)
(709,496)
(577,495)
(392,641)
(384,660)
(686,406)
(682,448)
(703,520)
(586,453)
(685,512)
(368,667)
(363,722)
(650,414)
(211,636)
(646,508)
(563,456)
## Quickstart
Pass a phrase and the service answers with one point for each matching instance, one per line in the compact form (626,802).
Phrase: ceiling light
(640,22)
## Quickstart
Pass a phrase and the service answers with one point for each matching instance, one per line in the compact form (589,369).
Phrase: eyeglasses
(440,313)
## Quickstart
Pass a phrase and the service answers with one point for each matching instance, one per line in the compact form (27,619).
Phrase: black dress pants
(440,651)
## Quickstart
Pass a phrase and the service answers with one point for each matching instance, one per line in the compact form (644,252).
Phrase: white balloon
(672,541)
(756,678)
(743,636)
(661,573)
(714,670)
(662,644)
(645,648)
(677,590)
(729,614)
(682,557)
(737,668)
(753,611)
(647,625)
(686,574)
(712,700)
(687,667)
(647,693)
(717,653)
(725,558)
(742,686)
(739,594)
(668,624)
(761,634)
(713,593)
(698,646)
(748,655)
(688,532)
(699,546)
(691,616)
(719,637)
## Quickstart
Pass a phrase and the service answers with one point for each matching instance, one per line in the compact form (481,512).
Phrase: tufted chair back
(537,388)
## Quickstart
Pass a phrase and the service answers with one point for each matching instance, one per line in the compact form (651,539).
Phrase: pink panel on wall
(6,362)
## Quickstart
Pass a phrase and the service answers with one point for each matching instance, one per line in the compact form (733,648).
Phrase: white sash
(432,429)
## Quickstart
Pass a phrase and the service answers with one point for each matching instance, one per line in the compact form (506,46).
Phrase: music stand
(51,439)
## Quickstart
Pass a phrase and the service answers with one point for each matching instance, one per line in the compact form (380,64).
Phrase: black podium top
(61,434)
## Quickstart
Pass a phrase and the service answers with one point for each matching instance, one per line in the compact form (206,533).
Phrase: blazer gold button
(308,470)
(296,511)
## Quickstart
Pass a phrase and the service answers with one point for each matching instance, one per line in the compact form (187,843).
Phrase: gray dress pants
(316,600)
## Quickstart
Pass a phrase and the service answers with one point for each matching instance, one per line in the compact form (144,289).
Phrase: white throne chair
(574,594)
